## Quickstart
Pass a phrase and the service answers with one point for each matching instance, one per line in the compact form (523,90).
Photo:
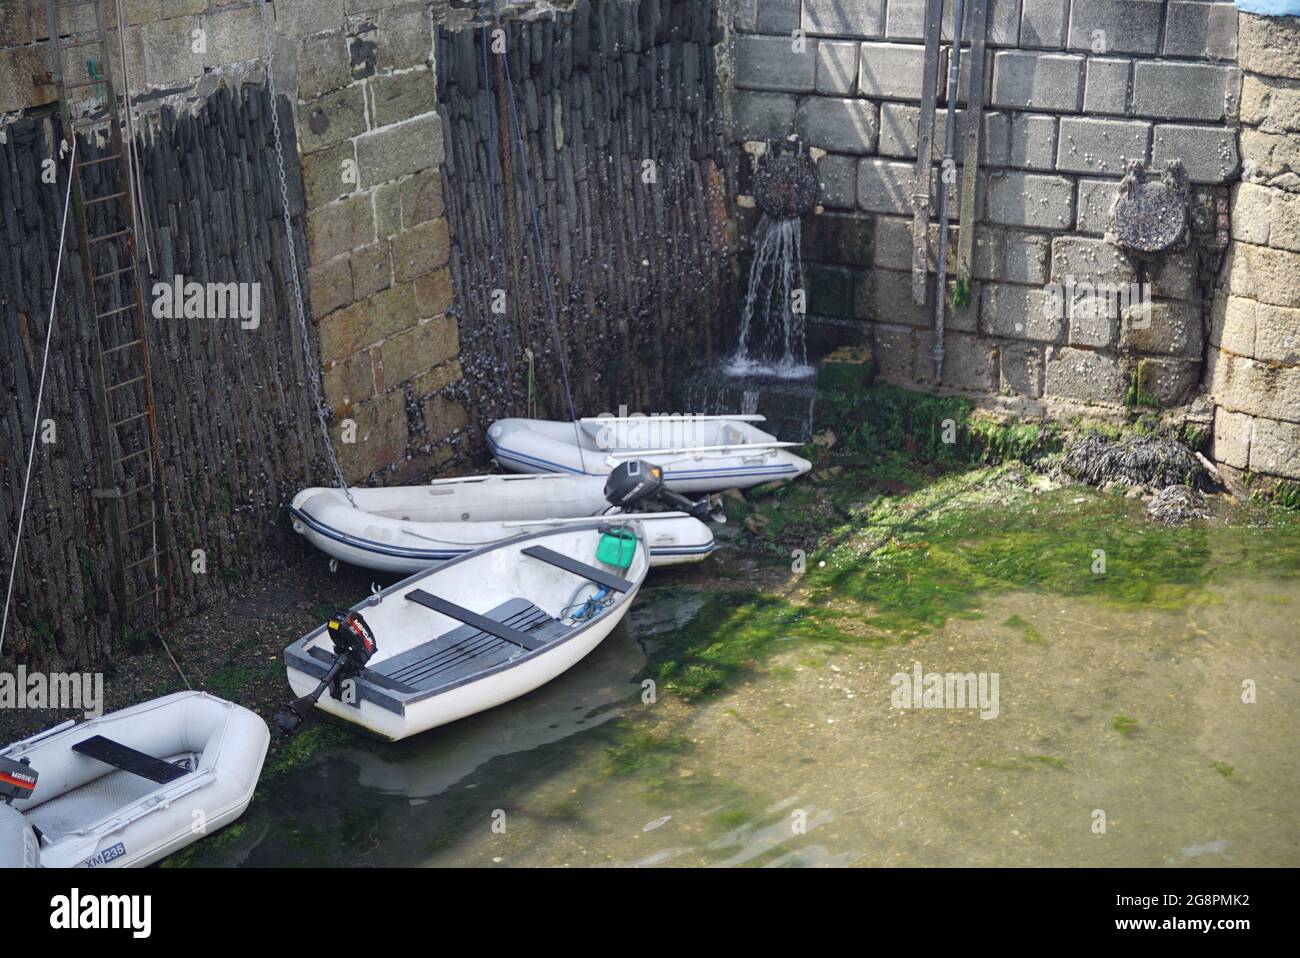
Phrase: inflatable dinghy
(405,529)
(698,454)
(471,633)
(130,787)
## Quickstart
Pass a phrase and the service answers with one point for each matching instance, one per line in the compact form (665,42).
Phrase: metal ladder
(103,197)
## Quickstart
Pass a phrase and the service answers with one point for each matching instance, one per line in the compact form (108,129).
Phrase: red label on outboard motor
(17,781)
(352,636)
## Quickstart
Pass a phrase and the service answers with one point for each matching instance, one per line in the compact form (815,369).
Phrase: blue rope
(541,253)
(497,262)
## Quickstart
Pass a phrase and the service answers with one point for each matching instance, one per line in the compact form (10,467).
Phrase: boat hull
(387,542)
(429,671)
(86,826)
(465,701)
(538,446)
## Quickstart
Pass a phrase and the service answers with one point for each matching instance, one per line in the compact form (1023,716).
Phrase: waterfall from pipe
(771,328)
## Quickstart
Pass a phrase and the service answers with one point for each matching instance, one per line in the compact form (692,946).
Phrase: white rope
(40,391)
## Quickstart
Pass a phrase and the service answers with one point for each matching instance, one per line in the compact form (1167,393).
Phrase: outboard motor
(632,482)
(20,842)
(637,481)
(354,645)
(17,780)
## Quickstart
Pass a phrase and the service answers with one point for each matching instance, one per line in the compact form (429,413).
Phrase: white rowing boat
(471,633)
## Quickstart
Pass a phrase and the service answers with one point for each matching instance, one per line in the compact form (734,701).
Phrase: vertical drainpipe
(941,280)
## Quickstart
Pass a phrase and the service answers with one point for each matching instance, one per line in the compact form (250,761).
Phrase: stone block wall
(371,143)
(360,76)
(1255,336)
(356,84)
(170,45)
(1073,91)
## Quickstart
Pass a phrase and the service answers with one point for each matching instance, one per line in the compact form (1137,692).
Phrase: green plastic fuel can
(617,547)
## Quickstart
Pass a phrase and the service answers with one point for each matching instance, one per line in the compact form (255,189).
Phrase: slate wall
(237,434)
(620,108)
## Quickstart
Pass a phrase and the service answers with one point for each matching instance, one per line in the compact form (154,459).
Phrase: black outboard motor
(637,481)
(354,644)
(17,780)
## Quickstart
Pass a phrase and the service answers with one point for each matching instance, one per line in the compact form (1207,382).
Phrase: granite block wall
(360,77)
(362,144)
(1254,356)
(639,266)
(1074,91)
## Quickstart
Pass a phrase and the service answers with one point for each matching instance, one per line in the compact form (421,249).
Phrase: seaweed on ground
(1151,460)
(1175,505)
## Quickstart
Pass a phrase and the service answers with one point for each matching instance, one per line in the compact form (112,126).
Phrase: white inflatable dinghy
(698,454)
(130,787)
(408,528)
(470,634)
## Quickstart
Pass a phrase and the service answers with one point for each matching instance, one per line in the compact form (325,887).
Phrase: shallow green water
(772,739)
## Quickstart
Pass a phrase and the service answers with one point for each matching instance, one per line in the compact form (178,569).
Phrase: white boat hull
(459,703)
(458,677)
(94,815)
(706,455)
(405,529)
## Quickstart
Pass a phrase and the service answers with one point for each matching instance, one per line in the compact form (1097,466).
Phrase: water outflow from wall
(772,324)
(772,341)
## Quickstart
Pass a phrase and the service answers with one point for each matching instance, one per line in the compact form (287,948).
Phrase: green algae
(231,680)
(656,760)
(1027,632)
(298,751)
(185,857)
(903,566)
(1060,543)
(1286,494)
(727,638)
(641,751)
(939,431)
(301,748)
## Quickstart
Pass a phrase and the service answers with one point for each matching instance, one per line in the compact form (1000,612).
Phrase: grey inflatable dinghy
(130,787)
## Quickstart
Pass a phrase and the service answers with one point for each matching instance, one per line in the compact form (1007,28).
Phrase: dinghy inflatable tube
(409,528)
(91,813)
(697,454)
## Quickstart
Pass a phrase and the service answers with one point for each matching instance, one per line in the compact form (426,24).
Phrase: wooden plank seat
(568,564)
(484,623)
(129,760)
(468,649)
